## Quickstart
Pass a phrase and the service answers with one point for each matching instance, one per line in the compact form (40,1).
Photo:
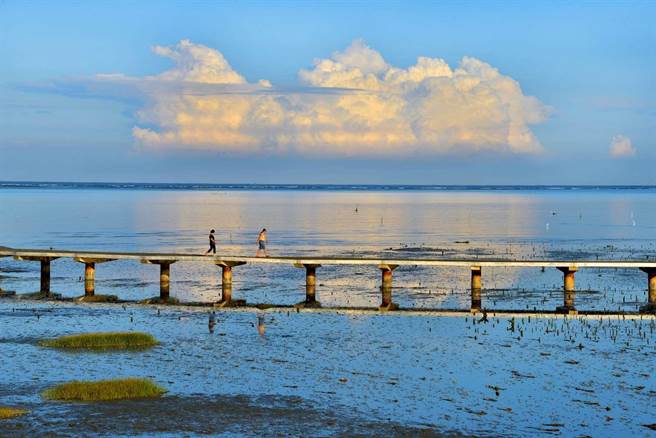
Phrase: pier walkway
(310,264)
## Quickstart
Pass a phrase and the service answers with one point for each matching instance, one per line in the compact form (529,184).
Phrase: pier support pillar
(1,256)
(386,287)
(226,275)
(89,278)
(226,294)
(650,307)
(45,271)
(226,283)
(164,279)
(90,273)
(4,293)
(310,285)
(569,293)
(475,288)
(45,276)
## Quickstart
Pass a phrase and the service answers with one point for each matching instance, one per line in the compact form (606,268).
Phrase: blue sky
(589,66)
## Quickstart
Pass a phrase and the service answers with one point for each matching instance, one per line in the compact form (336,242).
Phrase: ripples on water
(398,373)
(339,373)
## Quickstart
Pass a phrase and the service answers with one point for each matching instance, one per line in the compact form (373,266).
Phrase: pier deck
(386,265)
(295,260)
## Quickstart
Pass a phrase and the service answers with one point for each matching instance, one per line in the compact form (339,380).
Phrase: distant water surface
(388,221)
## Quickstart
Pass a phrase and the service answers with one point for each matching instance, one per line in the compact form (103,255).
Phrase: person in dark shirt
(212,243)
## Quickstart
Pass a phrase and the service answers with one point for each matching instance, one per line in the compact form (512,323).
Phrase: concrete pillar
(386,287)
(475,288)
(45,276)
(90,273)
(89,278)
(1,256)
(164,280)
(226,275)
(650,307)
(226,282)
(164,277)
(569,293)
(226,293)
(311,275)
(310,283)
(45,270)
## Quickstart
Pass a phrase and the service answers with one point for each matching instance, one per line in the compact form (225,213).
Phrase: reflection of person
(261,327)
(212,321)
(212,243)
(261,244)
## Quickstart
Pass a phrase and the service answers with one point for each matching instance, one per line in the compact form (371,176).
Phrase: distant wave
(303,187)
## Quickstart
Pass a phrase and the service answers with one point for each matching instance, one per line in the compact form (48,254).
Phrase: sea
(343,372)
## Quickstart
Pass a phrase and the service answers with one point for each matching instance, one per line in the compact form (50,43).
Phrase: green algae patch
(7,412)
(103,341)
(104,390)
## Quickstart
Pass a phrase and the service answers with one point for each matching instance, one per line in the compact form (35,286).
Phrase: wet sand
(205,415)
(354,373)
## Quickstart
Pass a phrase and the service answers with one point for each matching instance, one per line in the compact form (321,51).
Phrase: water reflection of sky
(180,219)
(523,224)
(572,377)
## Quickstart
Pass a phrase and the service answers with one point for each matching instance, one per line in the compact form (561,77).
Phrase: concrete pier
(90,273)
(475,288)
(386,287)
(650,307)
(310,285)
(386,265)
(569,293)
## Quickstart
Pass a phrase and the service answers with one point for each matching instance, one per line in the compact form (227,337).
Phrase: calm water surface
(526,224)
(332,374)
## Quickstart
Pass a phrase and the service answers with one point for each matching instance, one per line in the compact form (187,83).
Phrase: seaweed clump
(8,412)
(103,341)
(103,390)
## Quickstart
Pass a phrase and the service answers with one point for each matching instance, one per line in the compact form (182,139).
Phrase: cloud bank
(369,107)
(621,147)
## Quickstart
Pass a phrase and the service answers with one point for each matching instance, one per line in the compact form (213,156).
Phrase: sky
(328,92)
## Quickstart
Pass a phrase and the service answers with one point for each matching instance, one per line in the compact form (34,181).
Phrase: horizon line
(300,186)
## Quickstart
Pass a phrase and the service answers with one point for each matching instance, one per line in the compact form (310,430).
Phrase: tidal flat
(334,372)
(327,373)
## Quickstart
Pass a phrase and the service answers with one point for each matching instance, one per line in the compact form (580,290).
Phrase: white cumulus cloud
(621,146)
(353,103)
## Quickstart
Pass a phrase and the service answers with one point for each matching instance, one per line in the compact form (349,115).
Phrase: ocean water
(427,222)
(337,373)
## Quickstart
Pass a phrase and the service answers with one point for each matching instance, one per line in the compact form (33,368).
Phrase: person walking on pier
(212,243)
(261,244)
